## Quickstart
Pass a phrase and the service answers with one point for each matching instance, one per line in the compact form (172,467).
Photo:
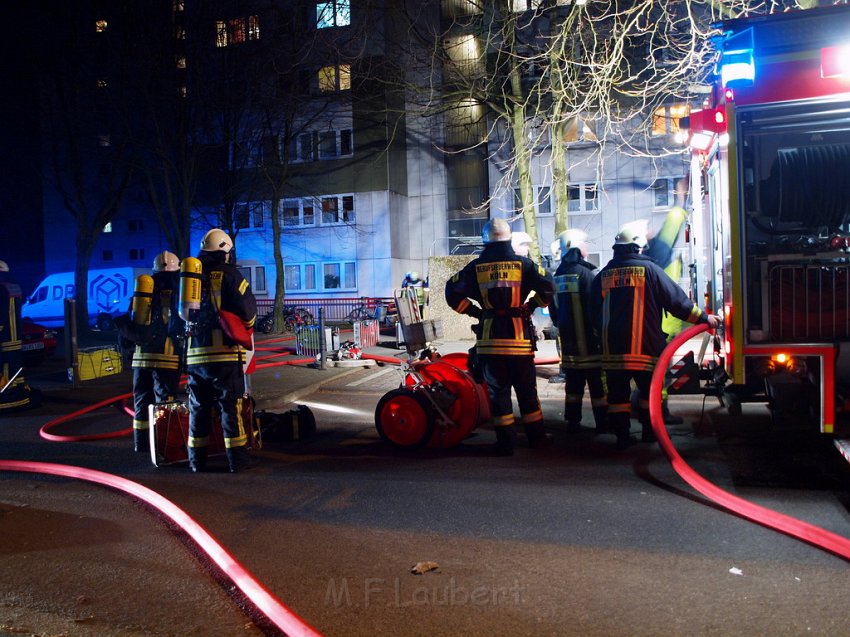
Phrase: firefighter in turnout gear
(14,392)
(629,296)
(495,288)
(214,361)
(156,359)
(581,355)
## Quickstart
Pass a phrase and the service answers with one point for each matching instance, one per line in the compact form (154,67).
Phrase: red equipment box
(169,432)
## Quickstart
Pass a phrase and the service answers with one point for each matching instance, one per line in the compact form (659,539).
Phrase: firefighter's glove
(527,310)
(713,321)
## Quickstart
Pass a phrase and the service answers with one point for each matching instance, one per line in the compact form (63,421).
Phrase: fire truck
(770,227)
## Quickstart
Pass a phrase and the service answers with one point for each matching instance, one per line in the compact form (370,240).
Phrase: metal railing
(336,309)
(809,302)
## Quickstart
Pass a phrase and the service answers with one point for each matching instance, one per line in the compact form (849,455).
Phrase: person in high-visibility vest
(15,393)
(214,360)
(157,359)
(494,288)
(581,356)
(629,296)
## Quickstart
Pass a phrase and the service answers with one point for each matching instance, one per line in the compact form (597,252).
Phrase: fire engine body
(771,221)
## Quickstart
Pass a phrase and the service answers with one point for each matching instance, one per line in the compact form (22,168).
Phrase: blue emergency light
(737,62)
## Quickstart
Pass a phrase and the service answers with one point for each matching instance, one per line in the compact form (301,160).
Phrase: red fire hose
(804,531)
(282,617)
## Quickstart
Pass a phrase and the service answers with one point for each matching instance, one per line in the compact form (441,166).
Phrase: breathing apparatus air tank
(140,309)
(190,289)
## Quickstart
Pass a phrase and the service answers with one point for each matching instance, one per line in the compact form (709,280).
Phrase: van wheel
(104,323)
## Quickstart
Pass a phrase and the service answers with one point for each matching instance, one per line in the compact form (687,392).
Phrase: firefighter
(581,356)
(420,287)
(495,288)
(521,243)
(629,296)
(157,357)
(214,361)
(15,393)
(660,249)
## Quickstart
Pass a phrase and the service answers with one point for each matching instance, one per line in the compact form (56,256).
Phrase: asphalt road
(578,539)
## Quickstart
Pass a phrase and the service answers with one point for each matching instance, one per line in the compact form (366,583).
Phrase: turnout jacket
(10,315)
(223,288)
(579,343)
(163,349)
(499,281)
(629,296)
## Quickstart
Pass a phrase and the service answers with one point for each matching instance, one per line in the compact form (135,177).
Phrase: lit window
(108,227)
(178,5)
(102,82)
(180,62)
(581,198)
(580,129)
(524,5)
(100,26)
(335,78)
(103,140)
(237,30)
(182,91)
(666,119)
(336,13)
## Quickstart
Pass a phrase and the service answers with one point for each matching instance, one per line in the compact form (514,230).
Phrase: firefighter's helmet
(633,233)
(412,276)
(496,230)
(216,239)
(166,262)
(572,238)
(4,267)
(521,243)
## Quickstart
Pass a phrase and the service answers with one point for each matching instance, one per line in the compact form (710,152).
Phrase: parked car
(37,343)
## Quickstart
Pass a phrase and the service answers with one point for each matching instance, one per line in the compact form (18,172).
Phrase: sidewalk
(275,385)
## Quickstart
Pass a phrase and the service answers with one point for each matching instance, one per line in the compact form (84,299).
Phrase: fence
(336,310)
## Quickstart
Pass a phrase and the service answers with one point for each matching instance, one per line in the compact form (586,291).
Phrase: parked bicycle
(293,317)
(379,312)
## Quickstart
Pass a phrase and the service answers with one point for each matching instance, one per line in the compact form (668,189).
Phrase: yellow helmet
(216,239)
(166,262)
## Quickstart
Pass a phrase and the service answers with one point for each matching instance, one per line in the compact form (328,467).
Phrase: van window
(39,295)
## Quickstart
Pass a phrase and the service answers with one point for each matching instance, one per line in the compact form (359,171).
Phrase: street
(577,539)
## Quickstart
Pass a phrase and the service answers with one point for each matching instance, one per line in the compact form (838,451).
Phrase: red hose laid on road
(58,421)
(282,617)
(810,533)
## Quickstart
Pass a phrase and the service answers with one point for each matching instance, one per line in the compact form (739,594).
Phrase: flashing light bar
(835,61)
(738,68)
(737,64)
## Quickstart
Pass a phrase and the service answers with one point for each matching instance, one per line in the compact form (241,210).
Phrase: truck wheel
(404,419)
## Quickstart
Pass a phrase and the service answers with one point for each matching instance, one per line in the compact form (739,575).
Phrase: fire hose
(793,527)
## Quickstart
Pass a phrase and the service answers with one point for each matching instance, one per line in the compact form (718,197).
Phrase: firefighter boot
(141,440)
(240,459)
(537,438)
(646,434)
(600,417)
(198,459)
(504,441)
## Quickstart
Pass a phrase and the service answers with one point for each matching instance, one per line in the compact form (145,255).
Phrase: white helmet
(496,230)
(413,276)
(555,249)
(572,238)
(4,267)
(216,239)
(166,262)
(634,233)
(521,242)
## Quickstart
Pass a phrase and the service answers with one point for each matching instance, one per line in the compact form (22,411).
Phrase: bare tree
(87,146)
